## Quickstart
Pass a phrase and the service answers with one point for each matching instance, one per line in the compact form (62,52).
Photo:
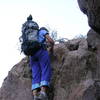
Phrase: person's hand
(50,43)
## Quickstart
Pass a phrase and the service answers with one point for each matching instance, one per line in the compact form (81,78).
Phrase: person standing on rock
(40,65)
(41,68)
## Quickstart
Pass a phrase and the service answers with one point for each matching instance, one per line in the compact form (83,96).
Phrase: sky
(64,16)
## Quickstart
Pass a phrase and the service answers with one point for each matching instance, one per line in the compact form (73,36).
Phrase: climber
(41,68)
(40,65)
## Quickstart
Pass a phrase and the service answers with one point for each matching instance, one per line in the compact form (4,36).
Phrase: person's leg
(46,73)
(36,76)
(46,69)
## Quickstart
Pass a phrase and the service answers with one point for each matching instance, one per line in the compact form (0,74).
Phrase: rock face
(75,65)
(93,39)
(17,84)
(75,75)
(92,9)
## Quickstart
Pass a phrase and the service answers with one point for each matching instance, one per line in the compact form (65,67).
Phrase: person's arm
(51,41)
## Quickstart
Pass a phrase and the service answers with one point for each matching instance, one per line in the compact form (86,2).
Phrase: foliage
(80,36)
(54,36)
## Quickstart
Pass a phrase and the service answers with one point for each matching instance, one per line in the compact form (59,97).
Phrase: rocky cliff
(75,75)
(75,65)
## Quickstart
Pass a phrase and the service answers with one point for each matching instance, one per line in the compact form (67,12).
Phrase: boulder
(75,75)
(92,9)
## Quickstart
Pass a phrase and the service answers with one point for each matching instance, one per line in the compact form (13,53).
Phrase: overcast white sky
(61,15)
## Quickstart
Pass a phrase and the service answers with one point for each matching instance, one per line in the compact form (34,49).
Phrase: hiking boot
(43,96)
(36,98)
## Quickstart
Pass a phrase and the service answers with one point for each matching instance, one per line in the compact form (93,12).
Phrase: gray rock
(93,39)
(75,75)
(92,9)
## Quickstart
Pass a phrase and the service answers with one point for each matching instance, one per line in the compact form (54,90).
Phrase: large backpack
(30,44)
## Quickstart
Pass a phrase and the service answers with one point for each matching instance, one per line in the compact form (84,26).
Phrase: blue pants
(41,69)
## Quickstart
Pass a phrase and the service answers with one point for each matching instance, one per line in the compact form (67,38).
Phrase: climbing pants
(41,69)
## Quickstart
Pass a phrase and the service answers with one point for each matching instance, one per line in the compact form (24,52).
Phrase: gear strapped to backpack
(30,44)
